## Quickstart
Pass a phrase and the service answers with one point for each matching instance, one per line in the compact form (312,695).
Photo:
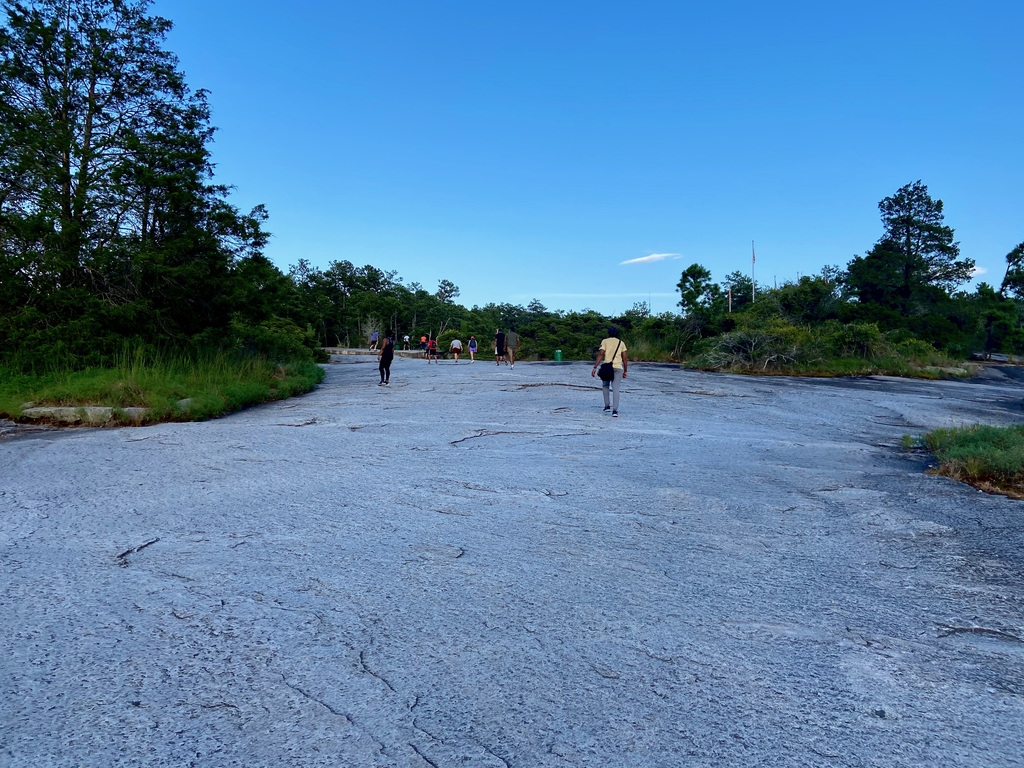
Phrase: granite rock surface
(477,567)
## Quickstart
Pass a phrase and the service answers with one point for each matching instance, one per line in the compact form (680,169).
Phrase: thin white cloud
(979,271)
(652,258)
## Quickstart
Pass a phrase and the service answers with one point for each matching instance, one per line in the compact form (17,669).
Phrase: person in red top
(432,351)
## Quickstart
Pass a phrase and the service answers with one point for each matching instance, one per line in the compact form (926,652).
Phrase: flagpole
(753,282)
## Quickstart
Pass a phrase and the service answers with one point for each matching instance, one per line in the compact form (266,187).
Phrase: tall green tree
(1013,280)
(447,291)
(703,306)
(811,299)
(997,320)
(741,286)
(698,295)
(916,263)
(108,214)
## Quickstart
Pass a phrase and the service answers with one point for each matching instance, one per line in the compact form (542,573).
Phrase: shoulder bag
(607,371)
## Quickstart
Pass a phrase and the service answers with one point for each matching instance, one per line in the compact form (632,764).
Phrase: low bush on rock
(990,458)
(775,345)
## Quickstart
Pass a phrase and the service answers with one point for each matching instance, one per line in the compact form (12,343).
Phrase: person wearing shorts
(456,348)
(373,341)
(405,341)
(511,346)
(472,349)
(432,350)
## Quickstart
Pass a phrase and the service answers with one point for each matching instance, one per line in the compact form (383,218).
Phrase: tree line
(906,288)
(113,233)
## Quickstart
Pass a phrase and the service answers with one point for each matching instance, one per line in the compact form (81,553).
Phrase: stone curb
(414,353)
(84,414)
(96,415)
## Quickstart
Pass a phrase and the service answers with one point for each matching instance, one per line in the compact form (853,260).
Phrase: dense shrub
(767,345)
(941,332)
(861,340)
(831,347)
(277,339)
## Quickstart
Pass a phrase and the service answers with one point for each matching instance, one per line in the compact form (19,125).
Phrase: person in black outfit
(499,347)
(384,358)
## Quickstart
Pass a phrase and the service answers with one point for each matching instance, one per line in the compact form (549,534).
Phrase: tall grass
(991,458)
(211,383)
(644,348)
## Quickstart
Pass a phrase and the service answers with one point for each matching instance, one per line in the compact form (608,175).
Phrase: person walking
(384,359)
(511,346)
(499,347)
(405,342)
(423,345)
(472,349)
(613,353)
(373,341)
(432,351)
(456,349)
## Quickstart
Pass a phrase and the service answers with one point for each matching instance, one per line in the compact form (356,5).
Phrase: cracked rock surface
(477,567)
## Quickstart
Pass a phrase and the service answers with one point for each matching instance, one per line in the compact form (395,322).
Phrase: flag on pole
(753,281)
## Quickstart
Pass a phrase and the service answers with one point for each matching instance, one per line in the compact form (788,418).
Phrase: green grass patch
(990,458)
(644,350)
(213,383)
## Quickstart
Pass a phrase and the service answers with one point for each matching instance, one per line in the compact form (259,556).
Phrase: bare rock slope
(475,566)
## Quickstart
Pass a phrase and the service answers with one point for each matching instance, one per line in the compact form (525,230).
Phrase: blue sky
(527,149)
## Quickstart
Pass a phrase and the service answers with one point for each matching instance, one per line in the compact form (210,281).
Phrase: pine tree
(916,262)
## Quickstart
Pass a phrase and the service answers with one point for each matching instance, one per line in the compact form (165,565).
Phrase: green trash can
(558,355)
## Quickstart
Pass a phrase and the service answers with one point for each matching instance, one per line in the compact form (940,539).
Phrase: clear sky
(527,149)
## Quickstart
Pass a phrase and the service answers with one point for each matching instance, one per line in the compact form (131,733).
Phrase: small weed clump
(990,458)
(182,387)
